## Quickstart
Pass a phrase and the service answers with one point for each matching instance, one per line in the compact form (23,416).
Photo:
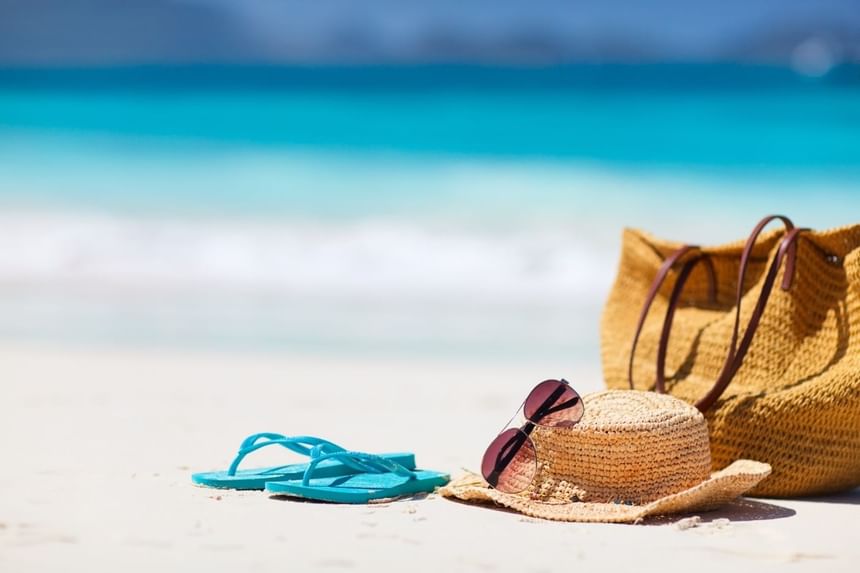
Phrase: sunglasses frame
(522,434)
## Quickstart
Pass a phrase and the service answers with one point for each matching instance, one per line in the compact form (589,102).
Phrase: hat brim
(722,487)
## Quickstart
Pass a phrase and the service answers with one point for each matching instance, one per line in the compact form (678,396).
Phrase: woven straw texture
(632,455)
(795,402)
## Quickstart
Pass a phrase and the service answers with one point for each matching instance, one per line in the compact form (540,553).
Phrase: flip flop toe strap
(372,463)
(310,446)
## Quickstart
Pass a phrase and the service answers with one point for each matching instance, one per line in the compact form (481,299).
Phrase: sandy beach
(99,445)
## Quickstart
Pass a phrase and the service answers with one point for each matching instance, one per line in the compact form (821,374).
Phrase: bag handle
(659,279)
(787,252)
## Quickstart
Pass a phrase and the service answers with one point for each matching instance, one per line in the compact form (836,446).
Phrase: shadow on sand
(741,509)
(374,503)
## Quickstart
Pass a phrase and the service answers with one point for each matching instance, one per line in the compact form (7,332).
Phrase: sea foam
(361,258)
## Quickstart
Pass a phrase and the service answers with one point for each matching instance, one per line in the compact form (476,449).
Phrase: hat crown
(630,447)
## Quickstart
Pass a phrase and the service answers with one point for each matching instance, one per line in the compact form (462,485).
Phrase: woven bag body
(793,399)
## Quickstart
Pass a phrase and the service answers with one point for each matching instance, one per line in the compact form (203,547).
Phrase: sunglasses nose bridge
(513,421)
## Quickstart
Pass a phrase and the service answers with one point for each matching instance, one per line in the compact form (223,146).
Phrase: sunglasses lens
(553,403)
(510,463)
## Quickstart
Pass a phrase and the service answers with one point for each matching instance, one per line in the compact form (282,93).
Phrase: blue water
(676,116)
(448,207)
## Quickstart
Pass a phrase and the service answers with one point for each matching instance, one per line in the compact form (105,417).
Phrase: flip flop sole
(257,478)
(360,488)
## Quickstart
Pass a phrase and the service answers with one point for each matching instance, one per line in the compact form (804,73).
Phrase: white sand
(97,448)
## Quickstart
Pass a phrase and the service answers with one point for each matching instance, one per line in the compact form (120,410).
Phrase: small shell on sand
(688,522)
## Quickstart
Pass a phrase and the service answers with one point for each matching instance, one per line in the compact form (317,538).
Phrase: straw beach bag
(763,336)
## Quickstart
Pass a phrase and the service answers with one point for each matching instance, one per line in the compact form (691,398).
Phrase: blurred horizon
(811,36)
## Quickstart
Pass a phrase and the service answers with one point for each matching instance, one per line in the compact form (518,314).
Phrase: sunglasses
(510,462)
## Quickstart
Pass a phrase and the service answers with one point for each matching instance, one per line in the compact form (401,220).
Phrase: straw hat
(632,455)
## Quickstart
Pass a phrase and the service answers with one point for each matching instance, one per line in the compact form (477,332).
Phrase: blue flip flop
(314,448)
(385,479)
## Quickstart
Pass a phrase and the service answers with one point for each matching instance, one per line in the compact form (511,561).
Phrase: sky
(111,32)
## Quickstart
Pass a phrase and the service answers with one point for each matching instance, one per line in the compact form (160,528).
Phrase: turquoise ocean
(463,210)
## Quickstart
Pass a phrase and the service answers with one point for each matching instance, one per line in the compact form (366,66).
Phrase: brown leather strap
(658,281)
(744,264)
(660,383)
(788,248)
